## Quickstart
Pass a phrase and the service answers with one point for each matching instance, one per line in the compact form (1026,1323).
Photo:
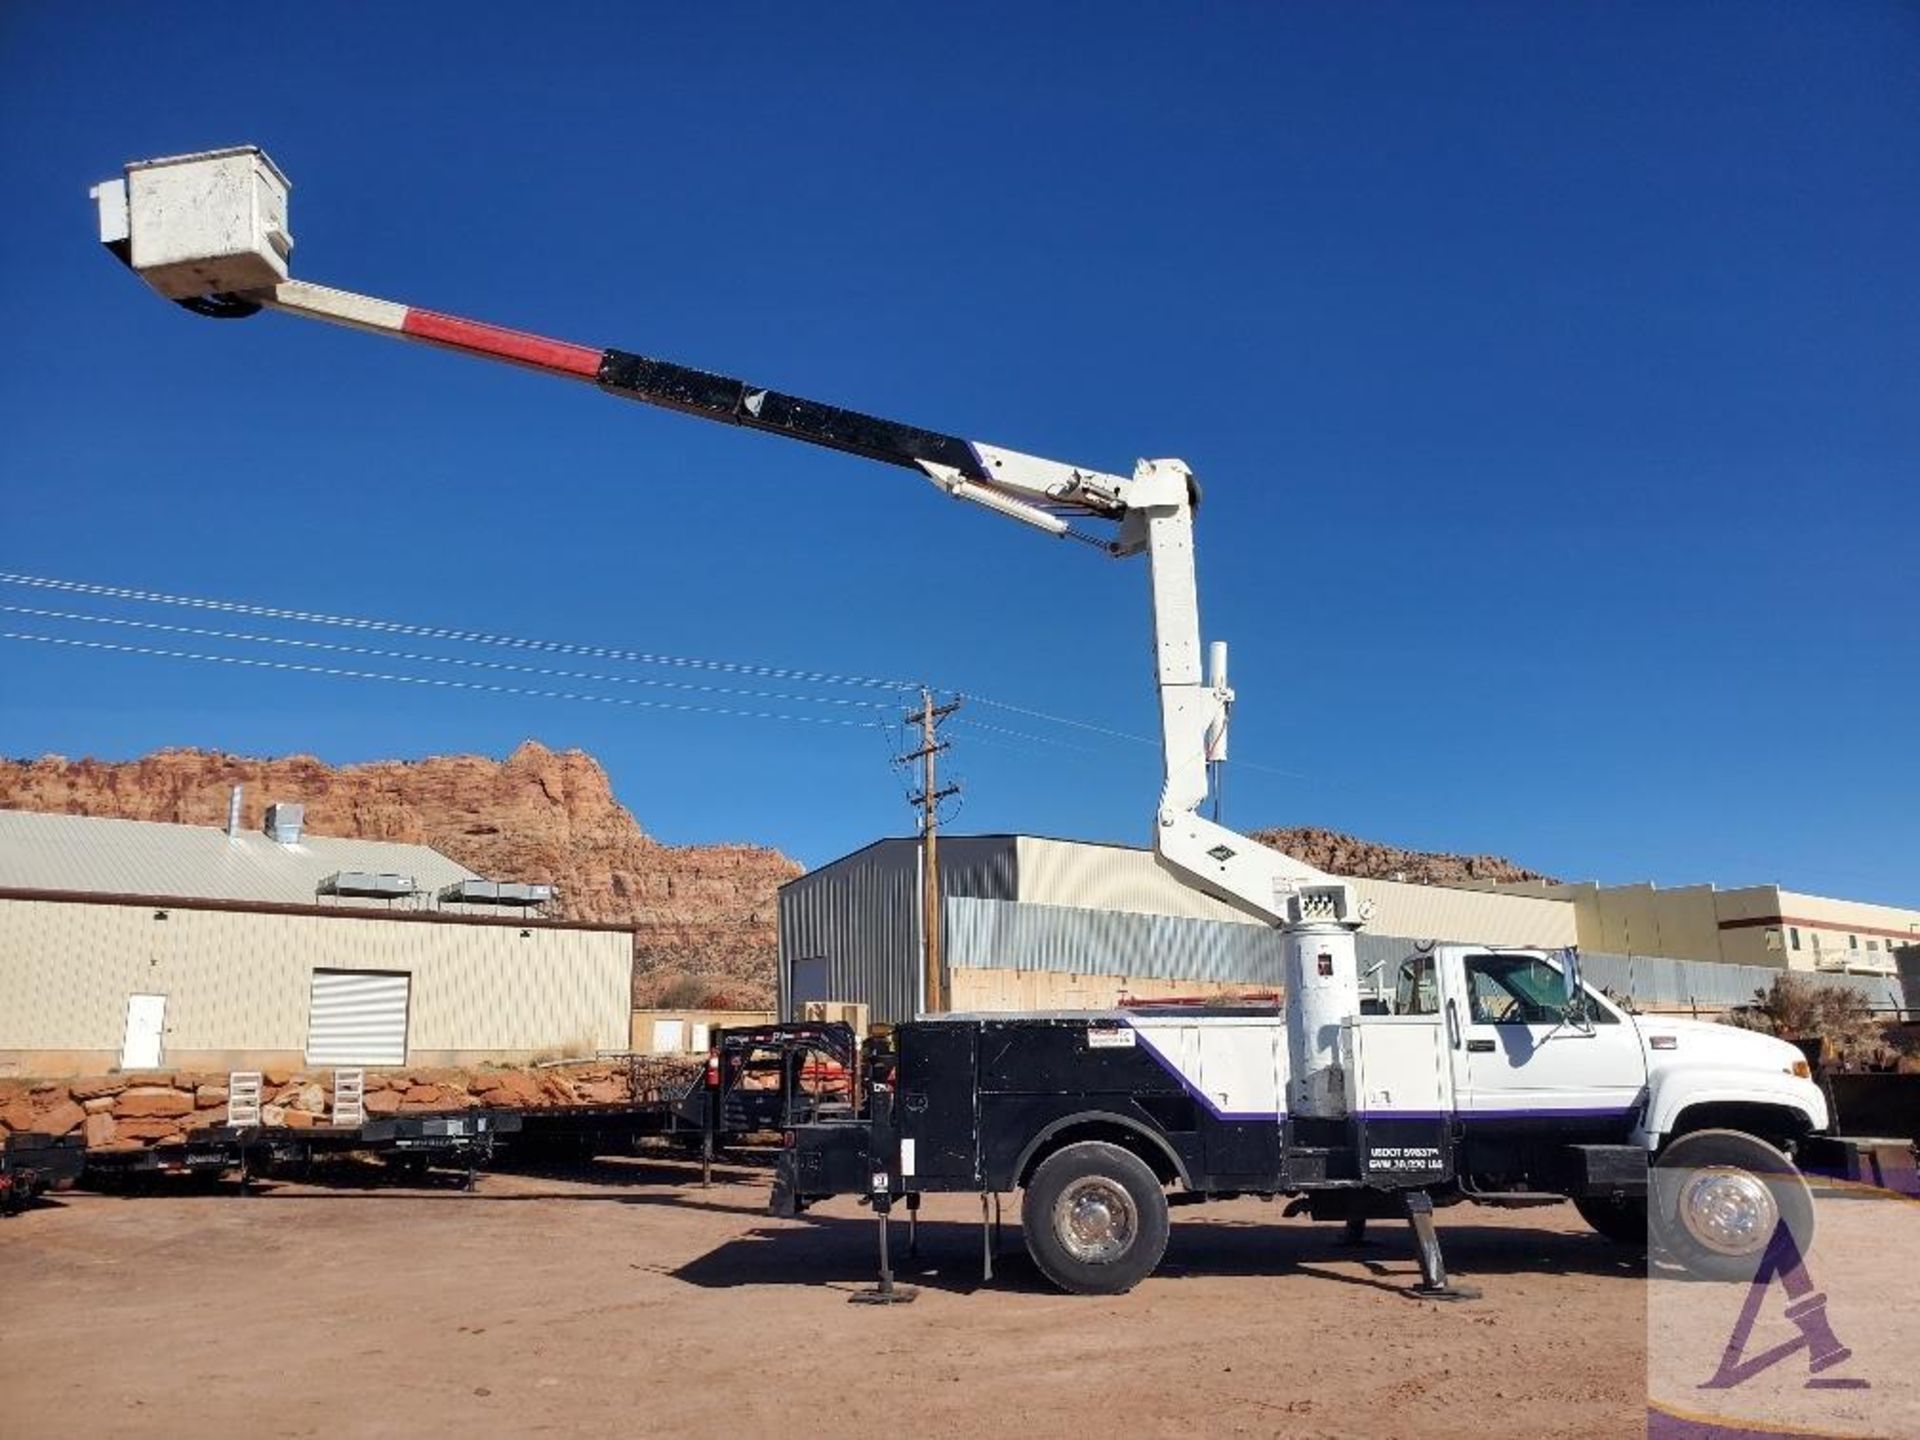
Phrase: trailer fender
(1099,1125)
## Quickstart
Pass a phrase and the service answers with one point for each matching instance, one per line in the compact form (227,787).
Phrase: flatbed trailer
(754,1080)
(465,1139)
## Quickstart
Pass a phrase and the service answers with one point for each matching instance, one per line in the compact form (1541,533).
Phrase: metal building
(136,945)
(1036,923)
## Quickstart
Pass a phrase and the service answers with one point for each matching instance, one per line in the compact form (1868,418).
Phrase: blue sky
(1550,370)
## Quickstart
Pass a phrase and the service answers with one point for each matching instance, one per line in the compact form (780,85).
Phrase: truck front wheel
(1095,1218)
(1719,1198)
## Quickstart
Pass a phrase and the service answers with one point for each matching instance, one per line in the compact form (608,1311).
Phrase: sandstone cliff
(1339,854)
(705,913)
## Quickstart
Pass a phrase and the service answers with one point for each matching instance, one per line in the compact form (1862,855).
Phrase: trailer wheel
(1718,1198)
(1623,1221)
(1095,1219)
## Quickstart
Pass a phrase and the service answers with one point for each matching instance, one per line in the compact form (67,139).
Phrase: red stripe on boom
(514,345)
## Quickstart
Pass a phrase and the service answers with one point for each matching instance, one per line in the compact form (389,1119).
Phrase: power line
(1099,730)
(432,632)
(1049,747)
(1026,735)
(431,681)
(371,652)
(558,647)
(1059,719)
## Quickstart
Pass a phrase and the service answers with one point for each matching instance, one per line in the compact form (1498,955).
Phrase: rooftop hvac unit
(363,885)
(510,894)
(285,821)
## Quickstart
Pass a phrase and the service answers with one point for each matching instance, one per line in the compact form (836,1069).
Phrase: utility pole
(928,718)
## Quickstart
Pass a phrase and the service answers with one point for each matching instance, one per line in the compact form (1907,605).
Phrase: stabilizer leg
(885,1292)
(1434,1284)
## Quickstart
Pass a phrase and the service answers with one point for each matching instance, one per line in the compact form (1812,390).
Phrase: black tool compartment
(936,1104)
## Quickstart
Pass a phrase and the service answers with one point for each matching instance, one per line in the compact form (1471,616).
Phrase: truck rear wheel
(1719,1197)
(1095,1219)
(1622,1221)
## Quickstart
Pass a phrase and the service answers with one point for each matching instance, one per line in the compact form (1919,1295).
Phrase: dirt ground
(621,1298)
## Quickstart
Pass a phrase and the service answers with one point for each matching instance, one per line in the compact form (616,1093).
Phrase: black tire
(1623,1221)
(1717,1199)
(1095,1219)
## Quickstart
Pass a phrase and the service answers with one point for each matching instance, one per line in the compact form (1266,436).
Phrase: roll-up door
(358,1017)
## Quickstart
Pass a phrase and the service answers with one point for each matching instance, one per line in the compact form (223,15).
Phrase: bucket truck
(1498,1076)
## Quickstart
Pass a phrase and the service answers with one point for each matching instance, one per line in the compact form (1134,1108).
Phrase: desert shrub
(1797,1008)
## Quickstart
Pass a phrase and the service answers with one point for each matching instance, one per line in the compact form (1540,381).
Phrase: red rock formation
(1339,854)
(705,913)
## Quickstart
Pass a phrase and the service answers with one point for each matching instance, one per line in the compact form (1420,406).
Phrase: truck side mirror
(1573,995)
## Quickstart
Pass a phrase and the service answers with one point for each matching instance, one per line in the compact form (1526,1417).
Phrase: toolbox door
(937,1106)
(1245,1096)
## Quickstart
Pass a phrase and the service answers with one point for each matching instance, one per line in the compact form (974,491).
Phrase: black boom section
(718,397)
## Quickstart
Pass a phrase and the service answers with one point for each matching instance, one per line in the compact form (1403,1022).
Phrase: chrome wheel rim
(1096,1220)
(1729,1211)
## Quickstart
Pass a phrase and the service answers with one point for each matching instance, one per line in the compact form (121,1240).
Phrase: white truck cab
(1528,1042)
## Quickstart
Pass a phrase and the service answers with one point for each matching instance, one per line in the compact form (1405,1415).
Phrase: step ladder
(350,1098)
(243,1099)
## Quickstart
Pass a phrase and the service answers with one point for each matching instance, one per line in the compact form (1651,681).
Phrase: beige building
(1755,925)
(133,945)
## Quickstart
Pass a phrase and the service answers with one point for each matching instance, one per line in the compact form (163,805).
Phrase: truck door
(1518,1058)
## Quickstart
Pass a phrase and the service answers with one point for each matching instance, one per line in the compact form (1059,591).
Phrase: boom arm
(209,230)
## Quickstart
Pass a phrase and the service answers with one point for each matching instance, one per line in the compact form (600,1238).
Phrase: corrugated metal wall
(1111,877)
(1473,917)
(1025,903)
(994,935)
(1657,983)
(241,981)
(1001,935)
(1116,877)
(853,926)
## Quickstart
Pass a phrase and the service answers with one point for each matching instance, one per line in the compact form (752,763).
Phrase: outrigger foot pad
(1444,1291)
(884,1295)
